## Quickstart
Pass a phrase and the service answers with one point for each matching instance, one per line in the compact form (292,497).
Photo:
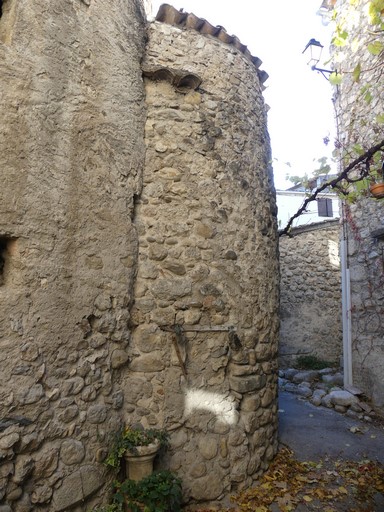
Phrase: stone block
(208,447)
(307,376)
(72,451)
(77,487)
(171,289)
(97,413)
(148,363)
(343,398)
(247,384)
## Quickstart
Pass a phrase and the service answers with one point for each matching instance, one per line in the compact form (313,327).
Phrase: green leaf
(375,48)
(380,118)
(336,78)
(368,97)
(356,73)
(358,149)
(375,10)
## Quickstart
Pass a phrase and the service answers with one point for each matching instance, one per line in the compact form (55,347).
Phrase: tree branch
(334,183)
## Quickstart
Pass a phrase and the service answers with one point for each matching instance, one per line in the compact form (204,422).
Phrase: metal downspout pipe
(346,306)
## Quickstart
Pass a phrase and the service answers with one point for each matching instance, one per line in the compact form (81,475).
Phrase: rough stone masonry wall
(208,262)
(310,294)
(71,155)
(358,125)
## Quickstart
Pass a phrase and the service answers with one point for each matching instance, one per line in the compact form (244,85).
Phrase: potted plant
(138,446)
(376,187)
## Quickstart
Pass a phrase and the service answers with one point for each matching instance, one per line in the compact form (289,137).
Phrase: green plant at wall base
(129,438)
(158,492)
(114,507)
(312,362)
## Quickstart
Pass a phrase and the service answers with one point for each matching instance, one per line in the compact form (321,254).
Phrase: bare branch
(335,183)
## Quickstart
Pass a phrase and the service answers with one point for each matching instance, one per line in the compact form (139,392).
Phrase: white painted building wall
(289,202)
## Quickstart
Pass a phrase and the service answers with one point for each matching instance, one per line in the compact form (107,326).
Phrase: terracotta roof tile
(168,14)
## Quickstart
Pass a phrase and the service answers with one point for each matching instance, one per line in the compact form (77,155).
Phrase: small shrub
(114,507)
(158,492)
(312,363)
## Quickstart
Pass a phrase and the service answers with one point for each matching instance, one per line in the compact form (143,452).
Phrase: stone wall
(358,124)
(205,341)
(128,296)
(71,158)
(366,264)
(310,295)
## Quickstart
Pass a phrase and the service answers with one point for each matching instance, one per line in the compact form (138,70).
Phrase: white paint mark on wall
(333,253)
(223,407)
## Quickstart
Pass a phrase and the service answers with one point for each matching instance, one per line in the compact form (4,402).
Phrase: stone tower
(138,271)
(206,290)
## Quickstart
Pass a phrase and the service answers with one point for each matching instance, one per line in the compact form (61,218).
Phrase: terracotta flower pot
(377,190)
(140,463)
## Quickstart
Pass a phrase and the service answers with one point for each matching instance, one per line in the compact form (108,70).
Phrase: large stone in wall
(71,158)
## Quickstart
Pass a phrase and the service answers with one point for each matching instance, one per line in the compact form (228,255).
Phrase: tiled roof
(168,14)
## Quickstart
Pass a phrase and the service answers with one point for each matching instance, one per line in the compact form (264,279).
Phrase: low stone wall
(310,300)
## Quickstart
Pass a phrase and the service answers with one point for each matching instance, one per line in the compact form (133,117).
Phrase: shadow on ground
(327,462)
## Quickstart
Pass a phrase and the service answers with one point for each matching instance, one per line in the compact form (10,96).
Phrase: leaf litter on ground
(327,486)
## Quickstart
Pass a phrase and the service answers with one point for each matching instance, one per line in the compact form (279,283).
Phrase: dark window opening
(1,8)
(5,251)
(324,207)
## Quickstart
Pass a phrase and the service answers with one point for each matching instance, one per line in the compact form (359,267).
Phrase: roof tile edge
(171,16)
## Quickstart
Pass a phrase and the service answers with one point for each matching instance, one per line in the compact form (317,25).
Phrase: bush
(158,492)
(312,363)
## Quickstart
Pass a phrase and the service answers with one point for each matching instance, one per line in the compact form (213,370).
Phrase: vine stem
(333,183)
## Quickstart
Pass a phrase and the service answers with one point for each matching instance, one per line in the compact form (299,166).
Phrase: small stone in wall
(46,463)
(208,447)
(148,363)
(9,440)
(72,452)
(69,414)
(97,413)
(13,492)
(160,147)
(41,494)
(73,386)
(119,358)
(30,352)
(209,487)
(23,467)
(31,394)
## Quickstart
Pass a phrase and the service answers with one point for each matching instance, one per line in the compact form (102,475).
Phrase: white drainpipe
(346,313)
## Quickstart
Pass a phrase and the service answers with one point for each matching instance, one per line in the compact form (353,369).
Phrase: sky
(300,100)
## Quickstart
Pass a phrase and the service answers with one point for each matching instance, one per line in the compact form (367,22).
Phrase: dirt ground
(327,486)
(326,462)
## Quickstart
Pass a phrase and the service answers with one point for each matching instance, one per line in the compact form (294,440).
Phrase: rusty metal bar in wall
(200,328)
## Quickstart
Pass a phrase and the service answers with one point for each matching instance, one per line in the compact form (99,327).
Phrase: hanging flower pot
(377,190)
(140,461)
(138,447)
